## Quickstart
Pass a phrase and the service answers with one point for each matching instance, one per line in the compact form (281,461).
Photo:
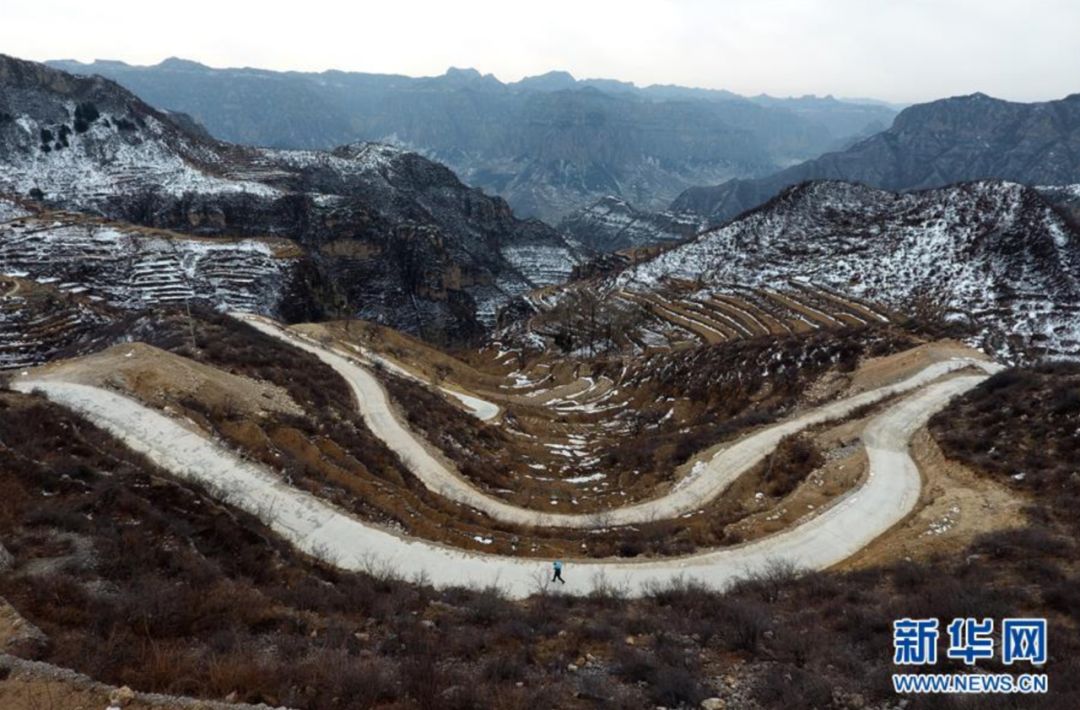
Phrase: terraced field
(134,267)
(581,436)
(680,315)
(39,322)
(627,448)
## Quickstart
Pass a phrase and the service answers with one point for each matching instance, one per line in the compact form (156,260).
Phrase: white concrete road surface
(314,526)
(689,495)
(482,409)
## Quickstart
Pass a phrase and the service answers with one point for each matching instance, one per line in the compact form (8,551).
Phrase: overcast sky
(899,50)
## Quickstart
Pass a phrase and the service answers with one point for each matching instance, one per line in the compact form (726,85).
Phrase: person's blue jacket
(557,564)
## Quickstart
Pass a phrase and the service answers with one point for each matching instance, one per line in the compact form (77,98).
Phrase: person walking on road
(557,566)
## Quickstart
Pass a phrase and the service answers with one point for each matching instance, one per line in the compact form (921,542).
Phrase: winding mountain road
(888,494)
(482,409)
(690,494)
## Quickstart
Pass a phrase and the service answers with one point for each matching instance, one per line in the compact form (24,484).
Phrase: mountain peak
(928,146)
(467,77)
(549,143)
(85,144)
(178,63)
(462,73)
(975,98)
(22,74)
(554,74)
(549,81)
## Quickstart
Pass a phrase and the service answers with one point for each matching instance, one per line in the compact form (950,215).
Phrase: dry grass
(184,595)
(981,426)
(328,451)
(670,407)
(1020,426)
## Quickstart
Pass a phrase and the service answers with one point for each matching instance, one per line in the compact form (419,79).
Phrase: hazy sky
(900,50)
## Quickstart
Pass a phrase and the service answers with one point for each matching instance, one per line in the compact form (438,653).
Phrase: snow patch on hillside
(107,160)
(613,224)
(9,210)
(542,264)
(135,269)
(991,253)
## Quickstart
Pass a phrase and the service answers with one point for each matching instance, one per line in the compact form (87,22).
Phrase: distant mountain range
(549,144)
(386,234)
(376,231)
(929,145)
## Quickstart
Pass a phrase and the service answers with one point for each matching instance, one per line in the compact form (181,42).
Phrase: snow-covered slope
(131,267)
(990,253)
(10,209)
(39,322)
(82,141)
(612,224)
(397,238)
(113,155)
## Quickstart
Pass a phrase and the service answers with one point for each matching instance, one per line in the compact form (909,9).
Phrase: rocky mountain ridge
(992,257)
(395,237)
(929,145)
(612,224)
(548,144)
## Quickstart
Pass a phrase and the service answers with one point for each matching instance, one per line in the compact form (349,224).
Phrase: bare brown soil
(162,379)
(956,507)
(650,419)
(289,412)
(897,366)
(181,594)
(184,595)
(32,691)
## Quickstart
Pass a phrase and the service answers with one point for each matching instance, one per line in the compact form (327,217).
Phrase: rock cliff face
(548,144)
(393,236)
(929,145)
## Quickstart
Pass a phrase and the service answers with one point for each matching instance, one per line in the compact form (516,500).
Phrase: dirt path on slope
(882,370)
